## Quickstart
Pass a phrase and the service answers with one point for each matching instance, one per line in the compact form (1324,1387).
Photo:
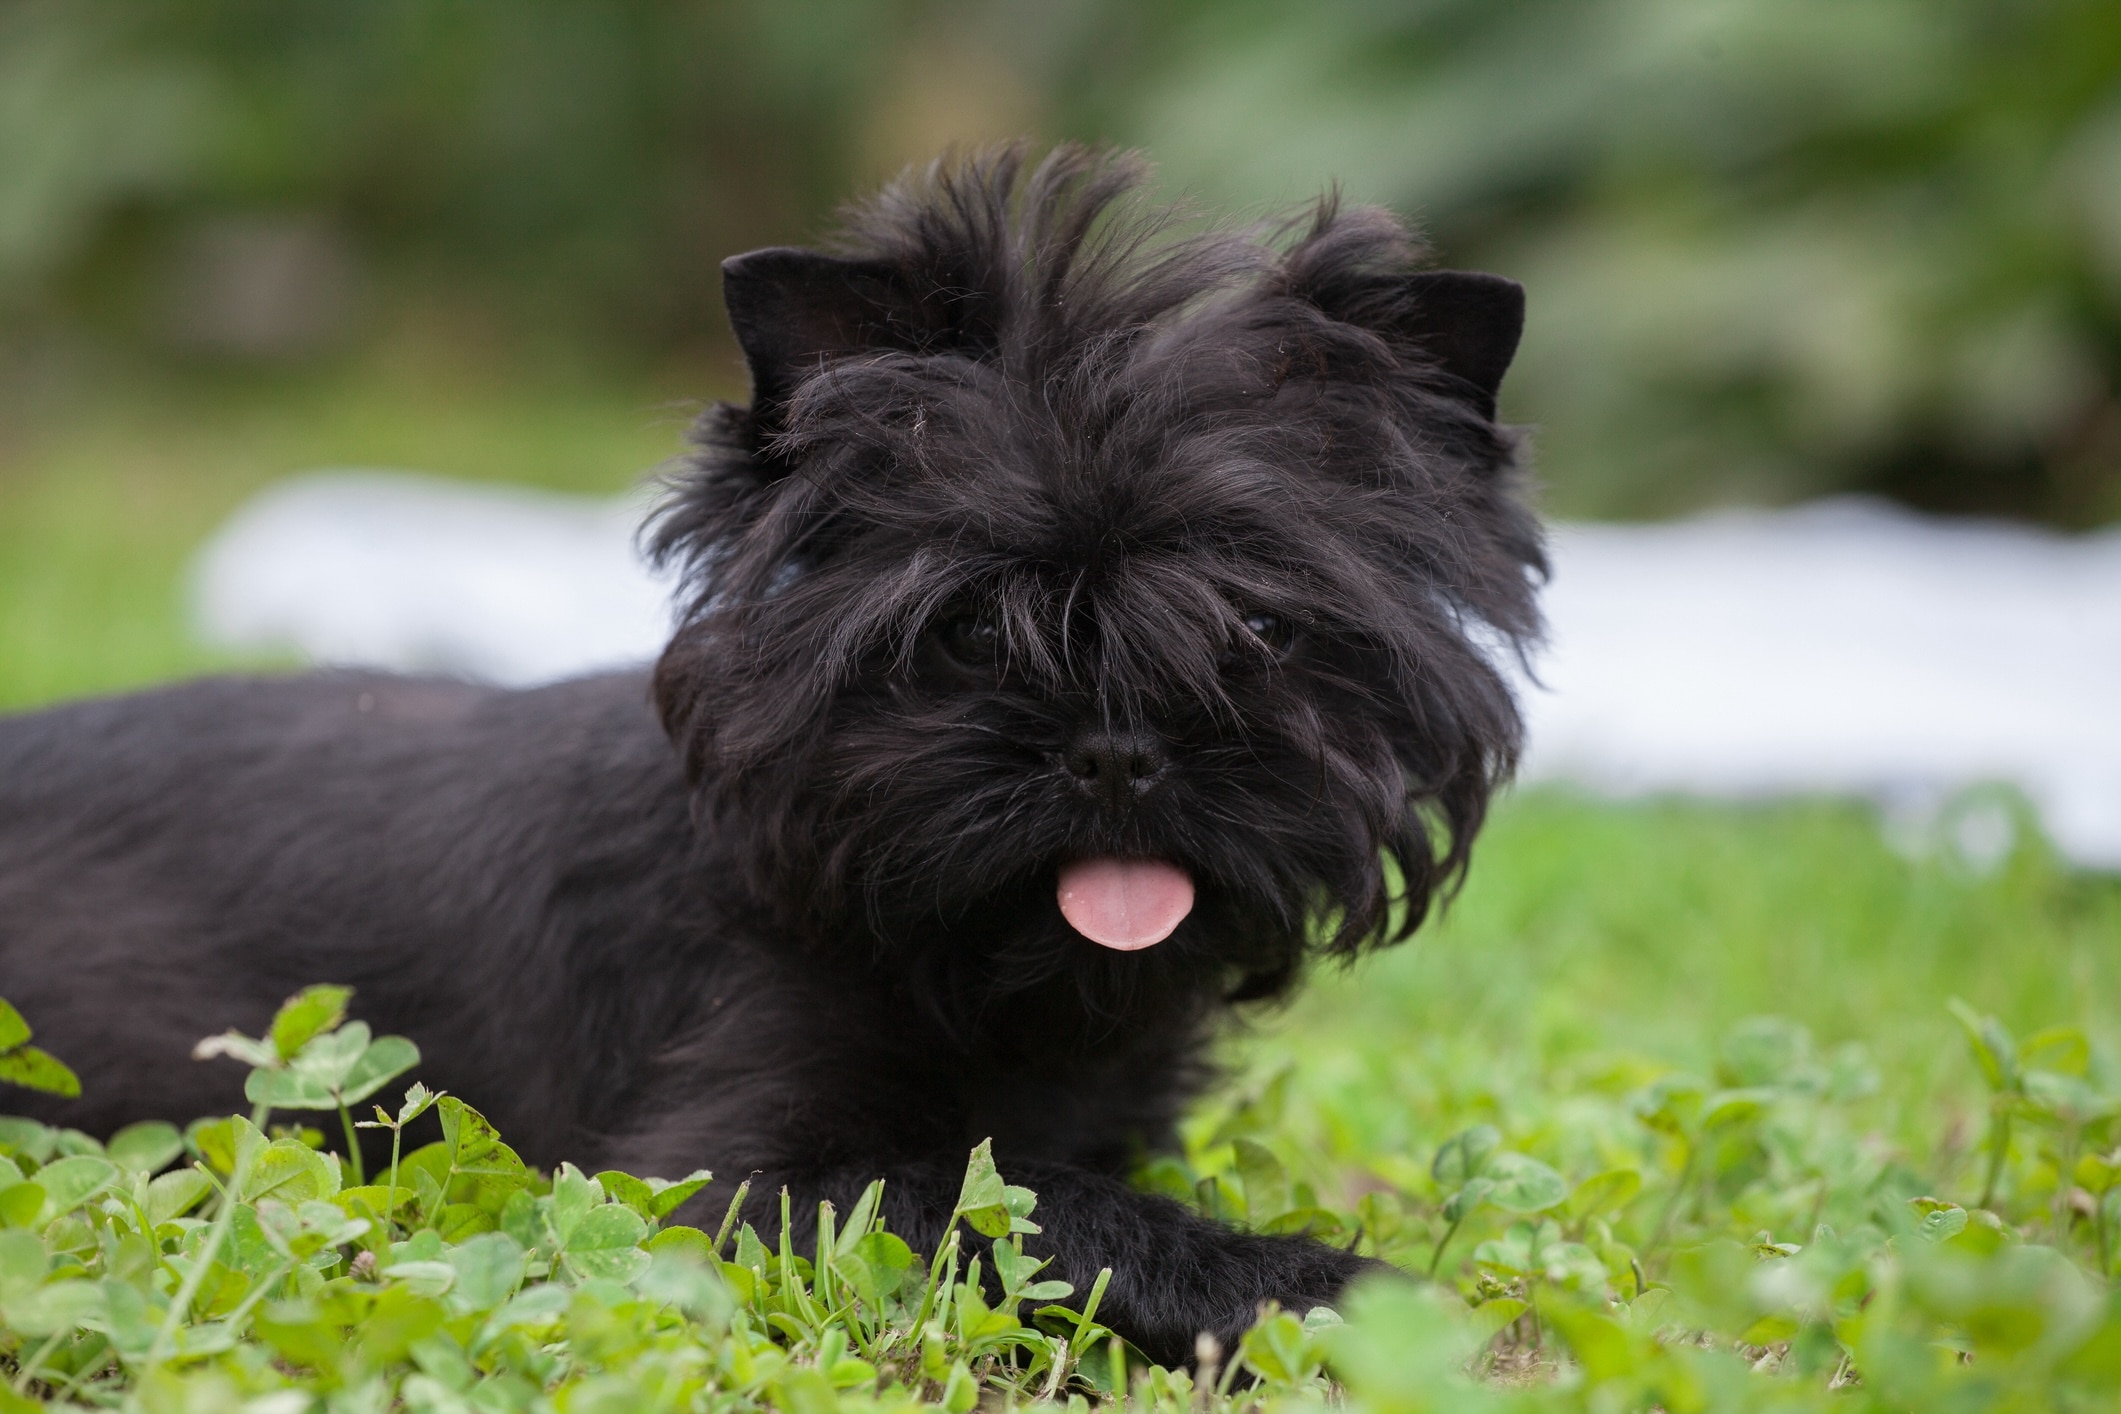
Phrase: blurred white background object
(393,570)
(1844,647)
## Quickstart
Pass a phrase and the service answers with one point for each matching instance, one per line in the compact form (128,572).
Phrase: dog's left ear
(1464,322)
(792,308)
(1469,323)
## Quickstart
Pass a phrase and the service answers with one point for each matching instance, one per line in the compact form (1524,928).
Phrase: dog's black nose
(1116,766)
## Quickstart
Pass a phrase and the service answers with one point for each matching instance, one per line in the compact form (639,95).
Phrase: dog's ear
(1464,322)
(1469,323)
(791,308)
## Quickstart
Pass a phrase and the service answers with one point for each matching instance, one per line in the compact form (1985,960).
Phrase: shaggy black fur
(1051,532)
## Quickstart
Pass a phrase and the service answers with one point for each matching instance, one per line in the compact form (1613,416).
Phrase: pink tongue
(1125,903)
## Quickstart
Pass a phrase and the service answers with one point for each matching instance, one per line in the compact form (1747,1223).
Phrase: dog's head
(1071,577)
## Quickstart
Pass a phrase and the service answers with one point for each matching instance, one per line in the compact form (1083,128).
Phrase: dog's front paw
(1300,1277)
(1226,1293)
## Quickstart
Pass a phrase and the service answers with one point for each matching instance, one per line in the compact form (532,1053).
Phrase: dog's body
(512,877)
(1043,555)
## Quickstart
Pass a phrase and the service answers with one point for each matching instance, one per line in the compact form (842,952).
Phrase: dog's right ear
(791,309)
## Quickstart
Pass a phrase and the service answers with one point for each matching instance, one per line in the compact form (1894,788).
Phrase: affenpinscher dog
(1091,621)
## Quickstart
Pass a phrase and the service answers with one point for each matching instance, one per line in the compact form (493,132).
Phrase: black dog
(1081,615)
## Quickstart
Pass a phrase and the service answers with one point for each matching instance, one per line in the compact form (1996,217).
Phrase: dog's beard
(931,832)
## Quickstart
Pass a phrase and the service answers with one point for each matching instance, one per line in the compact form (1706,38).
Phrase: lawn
(1642,1031)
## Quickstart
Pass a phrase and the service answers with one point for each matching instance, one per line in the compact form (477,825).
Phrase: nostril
(1083,764)
(1143,765)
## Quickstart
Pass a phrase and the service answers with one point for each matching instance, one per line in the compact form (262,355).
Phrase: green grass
(1653,1051)
(1632,936)
(1600,947)
(1618,1186)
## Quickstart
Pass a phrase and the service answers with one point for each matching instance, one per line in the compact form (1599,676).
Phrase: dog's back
(179,861)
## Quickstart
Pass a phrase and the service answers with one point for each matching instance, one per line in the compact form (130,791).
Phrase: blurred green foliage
(104,501)
(567,162)
(1775,247)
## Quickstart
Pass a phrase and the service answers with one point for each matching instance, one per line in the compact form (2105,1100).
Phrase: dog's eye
(972,641)
(1272,630)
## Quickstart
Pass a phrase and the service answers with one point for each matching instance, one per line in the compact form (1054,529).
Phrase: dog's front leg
(1175,1274)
